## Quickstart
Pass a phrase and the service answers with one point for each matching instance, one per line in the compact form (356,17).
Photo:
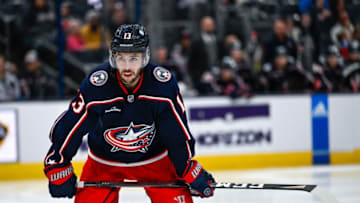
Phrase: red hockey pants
(160,170)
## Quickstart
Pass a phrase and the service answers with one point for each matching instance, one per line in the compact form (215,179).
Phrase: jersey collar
(123,86)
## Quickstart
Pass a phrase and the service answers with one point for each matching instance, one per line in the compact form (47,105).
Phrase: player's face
(129,67)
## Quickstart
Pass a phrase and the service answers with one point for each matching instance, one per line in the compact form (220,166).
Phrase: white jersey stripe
(182,106)
(189,150)
(46,158)
(55,123)
(121,164)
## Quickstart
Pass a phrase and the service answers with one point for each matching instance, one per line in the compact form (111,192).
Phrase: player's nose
(127,65)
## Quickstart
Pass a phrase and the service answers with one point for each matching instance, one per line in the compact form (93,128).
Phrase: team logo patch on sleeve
(99,78)
(162,74)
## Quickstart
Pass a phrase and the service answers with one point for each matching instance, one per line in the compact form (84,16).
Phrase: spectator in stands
(203,56)
(353,51)
(305,6)
(254,50)
(279,38)
(115,14)
(180,52)
(35,83)
(229,84)
(356,34)
(306,43)
(243,79)
(95,36)
(342,27)
(322,22)
(74,39)
(329,78)
(282,76)
(65,15)
(292,30)
(351,72)
(239,62)
(9,84)
(39,19)
(228,41)
(180,57)
(344,38)
(118,17)
(162,58)
(12,68)
(96,39)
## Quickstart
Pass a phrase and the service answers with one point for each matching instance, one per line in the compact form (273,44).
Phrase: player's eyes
(120,58)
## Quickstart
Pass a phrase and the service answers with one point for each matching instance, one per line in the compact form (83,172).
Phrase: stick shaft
(307,188)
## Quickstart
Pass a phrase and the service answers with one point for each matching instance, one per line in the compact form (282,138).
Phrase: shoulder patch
(162,74)
(99,78)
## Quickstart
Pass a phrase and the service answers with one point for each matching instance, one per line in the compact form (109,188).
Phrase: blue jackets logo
(162,74)
(132,138)
(99,78)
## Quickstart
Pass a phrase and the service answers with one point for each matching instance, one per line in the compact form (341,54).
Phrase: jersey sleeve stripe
(182,106)
(49,155)
(189,150)
(70,135)
(187,134)
(77,125)
(55,123)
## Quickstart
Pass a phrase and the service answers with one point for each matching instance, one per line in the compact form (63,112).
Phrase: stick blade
(324,196)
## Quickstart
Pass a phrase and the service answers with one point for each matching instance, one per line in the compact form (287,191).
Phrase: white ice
(343,182)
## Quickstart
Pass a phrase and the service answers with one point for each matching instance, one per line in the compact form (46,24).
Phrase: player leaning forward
(137,129)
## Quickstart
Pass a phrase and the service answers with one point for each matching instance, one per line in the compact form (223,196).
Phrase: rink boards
(264,131)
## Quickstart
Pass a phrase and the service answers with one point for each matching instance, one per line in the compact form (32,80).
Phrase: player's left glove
(199,179)
(62,180)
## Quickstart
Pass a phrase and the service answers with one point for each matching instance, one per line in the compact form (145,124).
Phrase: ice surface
(341,181)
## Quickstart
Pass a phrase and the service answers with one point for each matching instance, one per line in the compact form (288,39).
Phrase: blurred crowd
(315,49)
(318,53)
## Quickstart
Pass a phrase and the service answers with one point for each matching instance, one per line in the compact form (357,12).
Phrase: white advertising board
(34,122)
(259,125)
(8,136)
(344,123)
(263,124)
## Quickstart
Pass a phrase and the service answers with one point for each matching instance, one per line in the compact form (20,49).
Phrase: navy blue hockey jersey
(125,128)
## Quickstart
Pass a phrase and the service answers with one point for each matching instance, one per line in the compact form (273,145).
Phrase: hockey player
(137,129)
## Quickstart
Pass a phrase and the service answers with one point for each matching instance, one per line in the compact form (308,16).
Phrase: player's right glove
(199,179)
(62,180)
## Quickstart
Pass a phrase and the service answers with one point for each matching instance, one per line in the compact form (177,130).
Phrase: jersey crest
(99,78)
(132,138)
(162,74)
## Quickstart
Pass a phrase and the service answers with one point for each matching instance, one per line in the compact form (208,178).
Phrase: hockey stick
(313,189)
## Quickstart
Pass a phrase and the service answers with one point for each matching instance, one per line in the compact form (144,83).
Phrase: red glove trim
(194,172)
(58,176)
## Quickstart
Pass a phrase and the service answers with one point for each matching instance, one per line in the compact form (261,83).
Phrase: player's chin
(129,80)
(127,77)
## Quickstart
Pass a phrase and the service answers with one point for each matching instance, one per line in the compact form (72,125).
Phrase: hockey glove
(62,180)
(199,179)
